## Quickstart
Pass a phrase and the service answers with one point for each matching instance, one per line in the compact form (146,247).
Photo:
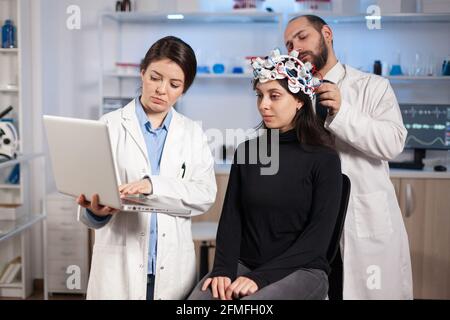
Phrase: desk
(205,232)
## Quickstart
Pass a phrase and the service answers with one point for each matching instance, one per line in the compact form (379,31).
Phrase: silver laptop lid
(81,158)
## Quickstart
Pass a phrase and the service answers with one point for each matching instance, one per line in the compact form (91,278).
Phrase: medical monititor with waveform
(428,126)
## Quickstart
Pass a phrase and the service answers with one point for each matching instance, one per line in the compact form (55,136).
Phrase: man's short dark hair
(316,21)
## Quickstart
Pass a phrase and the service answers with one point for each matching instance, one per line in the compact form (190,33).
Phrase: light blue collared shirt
(154,141)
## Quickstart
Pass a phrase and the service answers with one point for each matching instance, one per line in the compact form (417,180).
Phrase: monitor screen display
(428,126)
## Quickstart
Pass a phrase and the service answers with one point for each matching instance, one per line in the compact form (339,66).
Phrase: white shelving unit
(277,19)
(117,38)
(15,91)
(121,19)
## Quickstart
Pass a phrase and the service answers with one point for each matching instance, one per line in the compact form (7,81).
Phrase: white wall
(70,62)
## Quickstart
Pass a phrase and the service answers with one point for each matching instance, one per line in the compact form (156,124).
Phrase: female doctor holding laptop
(157,151)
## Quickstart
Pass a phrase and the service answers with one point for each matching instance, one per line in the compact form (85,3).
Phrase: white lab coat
(120,254)
(369,131)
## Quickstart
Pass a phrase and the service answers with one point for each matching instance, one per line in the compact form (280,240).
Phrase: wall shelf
(10,186)
(393,78)
(121,75)
(11,285)
(20,159)
(390,18)
(6,90)
(199,75)
(12,50)
(250,76)
(225,76)
(200,17)
(9,228)
(267,17)
(418,78)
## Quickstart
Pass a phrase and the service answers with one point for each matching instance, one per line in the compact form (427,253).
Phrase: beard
(319,59)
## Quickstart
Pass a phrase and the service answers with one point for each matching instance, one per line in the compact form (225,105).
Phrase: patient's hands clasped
(223,289)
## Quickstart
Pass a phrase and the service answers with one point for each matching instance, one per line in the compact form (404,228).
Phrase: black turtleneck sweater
(277,224)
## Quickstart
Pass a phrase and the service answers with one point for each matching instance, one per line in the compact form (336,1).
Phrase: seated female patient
(275,230)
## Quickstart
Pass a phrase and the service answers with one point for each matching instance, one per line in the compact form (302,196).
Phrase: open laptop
(82,162)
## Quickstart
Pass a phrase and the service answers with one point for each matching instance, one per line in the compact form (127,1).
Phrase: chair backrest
(335,239)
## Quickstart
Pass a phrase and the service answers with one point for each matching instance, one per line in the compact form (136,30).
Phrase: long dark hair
(178,51)
(309,128)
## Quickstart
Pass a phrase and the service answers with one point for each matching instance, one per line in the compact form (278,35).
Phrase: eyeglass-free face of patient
(274,230)
(276,105)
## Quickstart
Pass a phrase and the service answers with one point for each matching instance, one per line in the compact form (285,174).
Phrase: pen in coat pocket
(183,167)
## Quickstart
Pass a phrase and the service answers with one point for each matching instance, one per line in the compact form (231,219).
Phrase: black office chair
(333,255)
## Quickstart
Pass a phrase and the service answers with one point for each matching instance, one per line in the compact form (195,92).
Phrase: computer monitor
(428,127)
